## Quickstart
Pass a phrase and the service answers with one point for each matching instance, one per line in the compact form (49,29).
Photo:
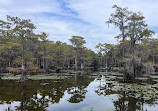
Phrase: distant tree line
(22,48)
(135,54)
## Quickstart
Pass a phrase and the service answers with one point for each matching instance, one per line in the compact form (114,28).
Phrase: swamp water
(80,92)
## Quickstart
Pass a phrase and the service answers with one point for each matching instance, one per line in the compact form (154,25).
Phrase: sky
(62,19)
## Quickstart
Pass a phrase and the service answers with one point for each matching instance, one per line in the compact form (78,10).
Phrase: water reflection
(135,98)
(79,93)
(38,95)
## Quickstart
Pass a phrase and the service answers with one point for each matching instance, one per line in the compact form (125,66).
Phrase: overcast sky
(62,19)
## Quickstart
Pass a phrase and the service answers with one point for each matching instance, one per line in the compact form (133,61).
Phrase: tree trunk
(23,75)
(82,66)
(123,52)
(106,64)
(153,55)
(45,60)
(68,64)
(76,63)
(132,47)
(23,52)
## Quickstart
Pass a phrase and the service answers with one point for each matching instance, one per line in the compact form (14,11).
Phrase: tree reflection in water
(128,100)
(78,91)
(44,95)
(38,95)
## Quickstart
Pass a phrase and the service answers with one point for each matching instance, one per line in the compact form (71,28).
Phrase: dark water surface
(79,93)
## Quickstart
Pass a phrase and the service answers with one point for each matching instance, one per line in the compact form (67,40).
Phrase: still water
(78,93)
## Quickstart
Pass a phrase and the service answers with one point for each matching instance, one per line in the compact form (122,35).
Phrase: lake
(82,92)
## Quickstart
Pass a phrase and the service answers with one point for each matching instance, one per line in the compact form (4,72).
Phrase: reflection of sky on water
(150,108)
(12,106)
(92,100)
(98,101)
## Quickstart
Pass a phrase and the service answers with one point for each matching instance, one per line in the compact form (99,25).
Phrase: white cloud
(64,18)
(147,7)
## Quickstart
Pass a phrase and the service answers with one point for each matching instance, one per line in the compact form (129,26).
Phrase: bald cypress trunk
(23,75)
(76,63)
(45,60)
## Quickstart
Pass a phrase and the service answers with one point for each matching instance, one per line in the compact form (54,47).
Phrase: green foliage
(21,46)
(77,41)
(135,40)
